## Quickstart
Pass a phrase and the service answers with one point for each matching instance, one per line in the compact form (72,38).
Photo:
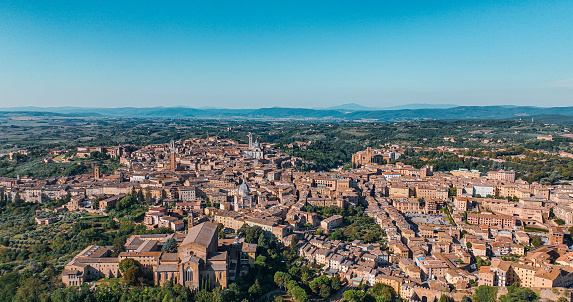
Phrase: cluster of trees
(444,161)
(356,225)
(131,271)
(129,208)
(550,171)
(324,286)
(170,246)
(35,167)
(32,256)
(324,155)
(515,293)
(378,293)
(252,234)
(485,293)
(96,155)
(125,293)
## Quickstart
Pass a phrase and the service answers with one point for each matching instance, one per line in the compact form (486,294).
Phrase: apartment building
(331,222)
(492,220)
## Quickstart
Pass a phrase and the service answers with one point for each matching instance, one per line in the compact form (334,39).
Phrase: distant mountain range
(358,107)
(346,112)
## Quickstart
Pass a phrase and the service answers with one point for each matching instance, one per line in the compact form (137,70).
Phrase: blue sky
(250,54)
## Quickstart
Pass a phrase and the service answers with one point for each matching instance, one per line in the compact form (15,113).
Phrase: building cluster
(200,258)
(436,224)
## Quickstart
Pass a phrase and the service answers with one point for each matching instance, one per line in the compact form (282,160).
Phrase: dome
(243,189)
(257,145)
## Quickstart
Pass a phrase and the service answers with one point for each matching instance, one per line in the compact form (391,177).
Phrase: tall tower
(96,172)
(173,165)
(250,136)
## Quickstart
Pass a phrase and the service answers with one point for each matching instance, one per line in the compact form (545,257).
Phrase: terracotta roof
(167,268)
(201,234)
(249,247)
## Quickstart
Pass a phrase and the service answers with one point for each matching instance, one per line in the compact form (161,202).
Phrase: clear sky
(250,54)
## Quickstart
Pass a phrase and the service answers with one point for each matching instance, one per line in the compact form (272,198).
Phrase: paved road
(276,291)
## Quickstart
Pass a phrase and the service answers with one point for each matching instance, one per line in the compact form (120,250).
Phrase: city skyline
(296,54)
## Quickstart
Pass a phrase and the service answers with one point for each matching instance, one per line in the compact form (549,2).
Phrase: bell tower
(173,164)
(96,172)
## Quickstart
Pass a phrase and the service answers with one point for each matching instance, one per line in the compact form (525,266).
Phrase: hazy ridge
(393,115)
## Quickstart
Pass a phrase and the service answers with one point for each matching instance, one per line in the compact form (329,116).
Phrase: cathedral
(243,198)
(197,262)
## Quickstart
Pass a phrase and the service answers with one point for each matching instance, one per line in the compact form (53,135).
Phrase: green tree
(140,197)
(314,286)
(469,245)
(445,298)
(317,283)
(519,294)
(382,292)
(170,246)
(294,271)
(261,261)
(336,235)
(536,241)
(298,294)
(480,262)
(132,275)
(335,283)
(354,296)
(221,231)
(293,245)
(262,242)
(118,246)
(256,290)
(453,191)
(128,263)
(112,224)
(324,291)
(485,293)
(128,202)
(304,276)
(281,279)
(18,199)
(251,234)
(31,290)
(148,196)
(466,299)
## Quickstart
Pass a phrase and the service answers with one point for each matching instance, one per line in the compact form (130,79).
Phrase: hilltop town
(286,151)
(422,233)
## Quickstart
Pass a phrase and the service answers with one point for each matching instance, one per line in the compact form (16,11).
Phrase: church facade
(197,262)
